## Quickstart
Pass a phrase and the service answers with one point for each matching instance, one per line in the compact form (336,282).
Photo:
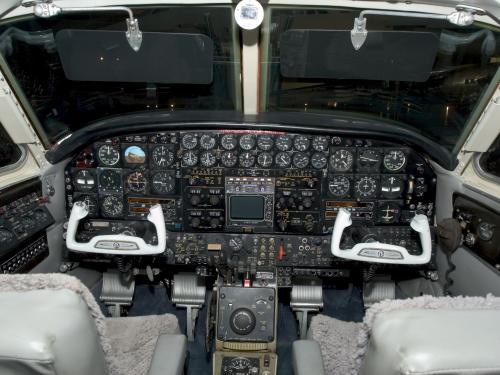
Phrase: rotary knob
(242,321)
(195,200)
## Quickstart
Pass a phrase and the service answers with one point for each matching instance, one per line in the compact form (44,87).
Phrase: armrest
(169,355)
(307,359)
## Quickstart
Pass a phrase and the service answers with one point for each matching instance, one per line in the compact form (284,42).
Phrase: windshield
(41,54)
(439,104)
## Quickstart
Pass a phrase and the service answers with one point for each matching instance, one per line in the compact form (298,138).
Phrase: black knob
(195,200)
(214,223)
(307,202)
(214,200)
(195,222)
(242,321)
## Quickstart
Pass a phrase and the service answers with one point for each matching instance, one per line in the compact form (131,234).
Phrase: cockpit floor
(343,303)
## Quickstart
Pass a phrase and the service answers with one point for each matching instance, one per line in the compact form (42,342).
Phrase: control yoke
(116,244)
(378,252)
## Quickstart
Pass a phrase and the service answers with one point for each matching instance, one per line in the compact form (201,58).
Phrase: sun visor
(386,55)
(102,55)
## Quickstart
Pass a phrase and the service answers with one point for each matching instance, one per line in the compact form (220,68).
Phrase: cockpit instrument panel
(225,189)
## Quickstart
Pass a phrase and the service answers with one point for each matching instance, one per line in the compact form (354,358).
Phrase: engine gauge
(366,187)
(229,142)
(163,183)
(110,180)
(247,142)
(394,160)
(108,155)
(265,142)
(391,186)
(90,202)
(189,141)
(319,160)
(283,142)
(137,182)
(339,186)
(283,160)
(6,236)
(112,206)
(301,143)
(320,143)
(247,160)
(265,159)
(190,158)
(207,141)
(300,160)
(208,159)
(229,159)
(369,160)
(162,156)
(84,180)
(388,212)
(342,160)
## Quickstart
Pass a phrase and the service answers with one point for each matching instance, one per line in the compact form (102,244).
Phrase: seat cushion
(133,341)
(48,332)
(338,342)
(444,341)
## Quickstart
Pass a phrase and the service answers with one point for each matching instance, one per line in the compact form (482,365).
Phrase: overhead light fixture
(133,34)
(460,17)
(249,14)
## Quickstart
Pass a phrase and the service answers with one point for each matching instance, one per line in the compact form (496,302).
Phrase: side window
(10,153)
(490,161)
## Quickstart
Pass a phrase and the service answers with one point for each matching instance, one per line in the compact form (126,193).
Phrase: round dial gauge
(90,203)
(368,159)
(163,183)
(301,143)
(247,160)
(108,155)
(341,160)
(229,159)
(85,180)
(207,141)
(137,182)
(300,160)
(241,365)
(265,142)
(391,186)
(112,206)
(339,186)
(208,159)
(394,160)
(247,141)
(265,159)
(162,156)
(320,143)
(366,187)
(6,235)
(236,243)
(110,179)
(190,158)
(486,231)
(229,142)
(319,160)
(189,141)
(388,212)
(283,159)
(284,142)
